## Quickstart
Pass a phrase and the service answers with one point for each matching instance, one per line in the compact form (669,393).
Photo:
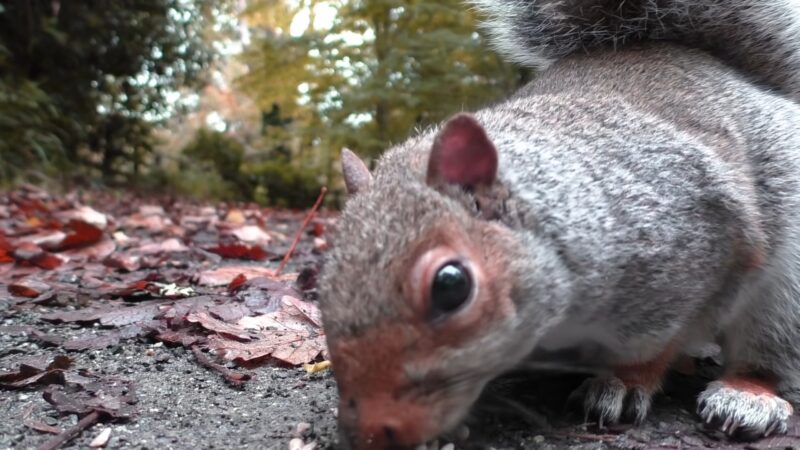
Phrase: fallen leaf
(171,245)
(28,287)
(85,214)
(80,234)
(237,283)
(32,254)
(293,348)
(225,275)
(240,251)
(32,371)
(97,342)
(95,252)
(252,234)
(218,326)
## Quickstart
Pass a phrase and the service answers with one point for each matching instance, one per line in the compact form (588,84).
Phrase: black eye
(451,288)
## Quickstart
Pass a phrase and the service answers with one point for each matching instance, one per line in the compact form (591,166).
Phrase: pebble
(449,446)
(101,439)
(538,439)
(296,444)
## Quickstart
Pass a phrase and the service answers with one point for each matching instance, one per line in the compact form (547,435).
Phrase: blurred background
(229,99)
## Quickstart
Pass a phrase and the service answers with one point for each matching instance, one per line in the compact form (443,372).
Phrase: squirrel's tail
(760,37)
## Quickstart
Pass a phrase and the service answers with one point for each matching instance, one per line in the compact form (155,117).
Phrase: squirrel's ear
(356,174)
(462,155)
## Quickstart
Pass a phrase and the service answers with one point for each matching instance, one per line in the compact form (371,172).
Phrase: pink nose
(381,424)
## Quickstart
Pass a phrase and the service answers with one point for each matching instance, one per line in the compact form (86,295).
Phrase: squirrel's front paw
(608,400)
(743,408)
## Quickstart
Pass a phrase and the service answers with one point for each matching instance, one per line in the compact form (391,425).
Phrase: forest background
(229,100)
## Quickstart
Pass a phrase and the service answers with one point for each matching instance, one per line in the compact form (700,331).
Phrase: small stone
(538,439)
(296,444)
(449,446)
(101,439)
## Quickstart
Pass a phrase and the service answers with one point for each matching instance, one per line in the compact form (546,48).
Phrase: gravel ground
(182,405)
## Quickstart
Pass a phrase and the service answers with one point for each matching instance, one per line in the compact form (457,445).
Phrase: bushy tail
(760,37)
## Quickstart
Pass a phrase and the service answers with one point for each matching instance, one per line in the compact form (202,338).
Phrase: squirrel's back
(759,37)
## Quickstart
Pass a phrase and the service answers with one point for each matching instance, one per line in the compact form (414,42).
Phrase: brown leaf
(240,251)
(80,234)
(32,254)
(218,326)
(31,372)
(225,275)
(97,342)
(28,287)
(290,347)
(96,252)
(112,396)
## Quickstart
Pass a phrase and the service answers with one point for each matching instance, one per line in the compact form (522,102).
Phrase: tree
(105,69)
(379,70)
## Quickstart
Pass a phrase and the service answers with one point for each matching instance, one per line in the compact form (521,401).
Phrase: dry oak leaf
(223,276)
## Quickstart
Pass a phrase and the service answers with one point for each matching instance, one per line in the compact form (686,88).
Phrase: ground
(162,365)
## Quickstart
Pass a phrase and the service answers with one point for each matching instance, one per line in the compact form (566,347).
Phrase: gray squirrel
(639,198)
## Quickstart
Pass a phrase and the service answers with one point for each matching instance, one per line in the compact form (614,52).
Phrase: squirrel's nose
(370,425)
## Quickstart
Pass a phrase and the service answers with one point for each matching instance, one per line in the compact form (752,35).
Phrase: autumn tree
(86,81)
(373,73)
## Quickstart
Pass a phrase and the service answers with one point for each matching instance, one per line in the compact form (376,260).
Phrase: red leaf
(237,283)
(81,234)
(225,275)
(240,251)
(28,287)
(32,254)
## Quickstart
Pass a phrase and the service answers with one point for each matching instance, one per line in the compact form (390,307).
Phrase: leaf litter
(183,274)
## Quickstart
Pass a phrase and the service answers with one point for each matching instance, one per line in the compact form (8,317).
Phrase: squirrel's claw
(742,413)
(608,401)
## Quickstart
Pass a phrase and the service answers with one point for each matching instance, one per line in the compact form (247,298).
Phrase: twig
(299,234)
(235,378)
(72,432)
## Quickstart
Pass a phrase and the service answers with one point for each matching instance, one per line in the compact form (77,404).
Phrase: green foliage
(96,75)
(278,182)
(223,153)
(28,129)
(383,69)
(214,165)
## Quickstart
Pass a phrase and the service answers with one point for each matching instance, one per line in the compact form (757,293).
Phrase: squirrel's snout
(381,424)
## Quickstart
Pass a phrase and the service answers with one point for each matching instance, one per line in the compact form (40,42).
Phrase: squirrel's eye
(451,288)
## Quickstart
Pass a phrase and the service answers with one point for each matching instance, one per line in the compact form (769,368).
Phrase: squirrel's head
(420,293)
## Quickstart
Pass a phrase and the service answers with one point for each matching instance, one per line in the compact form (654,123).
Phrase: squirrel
(637,199)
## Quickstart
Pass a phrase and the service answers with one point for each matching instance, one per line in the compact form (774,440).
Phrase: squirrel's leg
(624,395)
(761,354)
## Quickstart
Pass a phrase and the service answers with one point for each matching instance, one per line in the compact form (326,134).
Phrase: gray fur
(638,184)
(762,38)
